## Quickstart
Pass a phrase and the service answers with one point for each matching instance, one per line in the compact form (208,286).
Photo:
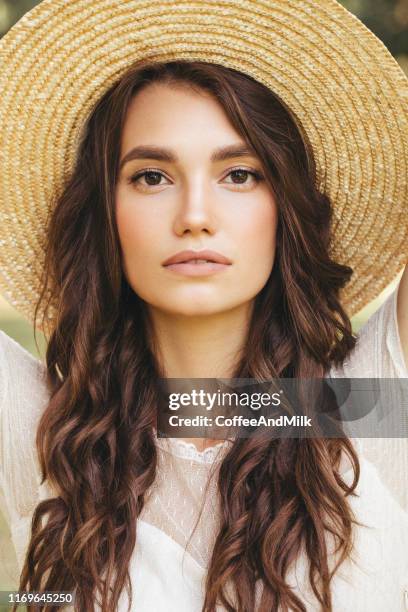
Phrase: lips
(197,257)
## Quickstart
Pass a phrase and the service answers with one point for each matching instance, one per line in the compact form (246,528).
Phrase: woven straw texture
(347,92)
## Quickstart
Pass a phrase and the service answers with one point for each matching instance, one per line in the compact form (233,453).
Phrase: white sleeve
(23,397)
(3,501)
(378,354)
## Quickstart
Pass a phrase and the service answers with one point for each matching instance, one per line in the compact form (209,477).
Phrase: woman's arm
(402,312)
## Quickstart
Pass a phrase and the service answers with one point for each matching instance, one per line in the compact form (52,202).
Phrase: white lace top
(169,563)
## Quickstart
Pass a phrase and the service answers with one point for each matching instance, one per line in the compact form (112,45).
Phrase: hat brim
(346,91)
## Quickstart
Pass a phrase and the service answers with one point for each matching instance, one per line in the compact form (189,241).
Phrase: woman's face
(188,182)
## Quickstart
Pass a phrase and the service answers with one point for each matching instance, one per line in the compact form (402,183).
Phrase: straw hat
(345,89)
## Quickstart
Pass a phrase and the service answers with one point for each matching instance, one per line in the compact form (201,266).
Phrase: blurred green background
(388,19)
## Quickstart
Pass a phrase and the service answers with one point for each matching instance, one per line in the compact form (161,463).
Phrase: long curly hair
(95,440)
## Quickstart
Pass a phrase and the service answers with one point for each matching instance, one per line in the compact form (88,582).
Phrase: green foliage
(388,19)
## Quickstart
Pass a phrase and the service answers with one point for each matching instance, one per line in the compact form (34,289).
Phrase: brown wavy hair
(95,440)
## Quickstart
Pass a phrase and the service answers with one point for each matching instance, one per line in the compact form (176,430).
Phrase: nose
(196,209)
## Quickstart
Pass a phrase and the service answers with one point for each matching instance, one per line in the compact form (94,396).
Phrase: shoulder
(375,575)
(380,541)
(375,503)
(383,534)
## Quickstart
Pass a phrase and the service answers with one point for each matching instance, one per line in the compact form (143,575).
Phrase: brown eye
(244,177)
(239,176)
(151,177)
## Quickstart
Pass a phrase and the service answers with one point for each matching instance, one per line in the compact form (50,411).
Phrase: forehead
(175,114)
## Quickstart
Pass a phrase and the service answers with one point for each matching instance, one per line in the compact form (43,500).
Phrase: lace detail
(182,501)
(188,450)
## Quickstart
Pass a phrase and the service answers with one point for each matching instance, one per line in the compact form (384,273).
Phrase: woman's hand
(402,313)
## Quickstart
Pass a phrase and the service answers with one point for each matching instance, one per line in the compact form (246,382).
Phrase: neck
(199,346)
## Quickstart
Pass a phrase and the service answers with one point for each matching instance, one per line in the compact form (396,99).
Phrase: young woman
(190,158)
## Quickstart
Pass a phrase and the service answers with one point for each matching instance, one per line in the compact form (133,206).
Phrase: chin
(194,310)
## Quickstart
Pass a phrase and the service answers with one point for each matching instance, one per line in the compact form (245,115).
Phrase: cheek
(138,234)
(258,234)
(136,225)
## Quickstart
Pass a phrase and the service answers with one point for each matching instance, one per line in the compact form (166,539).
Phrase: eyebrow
(168,155)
